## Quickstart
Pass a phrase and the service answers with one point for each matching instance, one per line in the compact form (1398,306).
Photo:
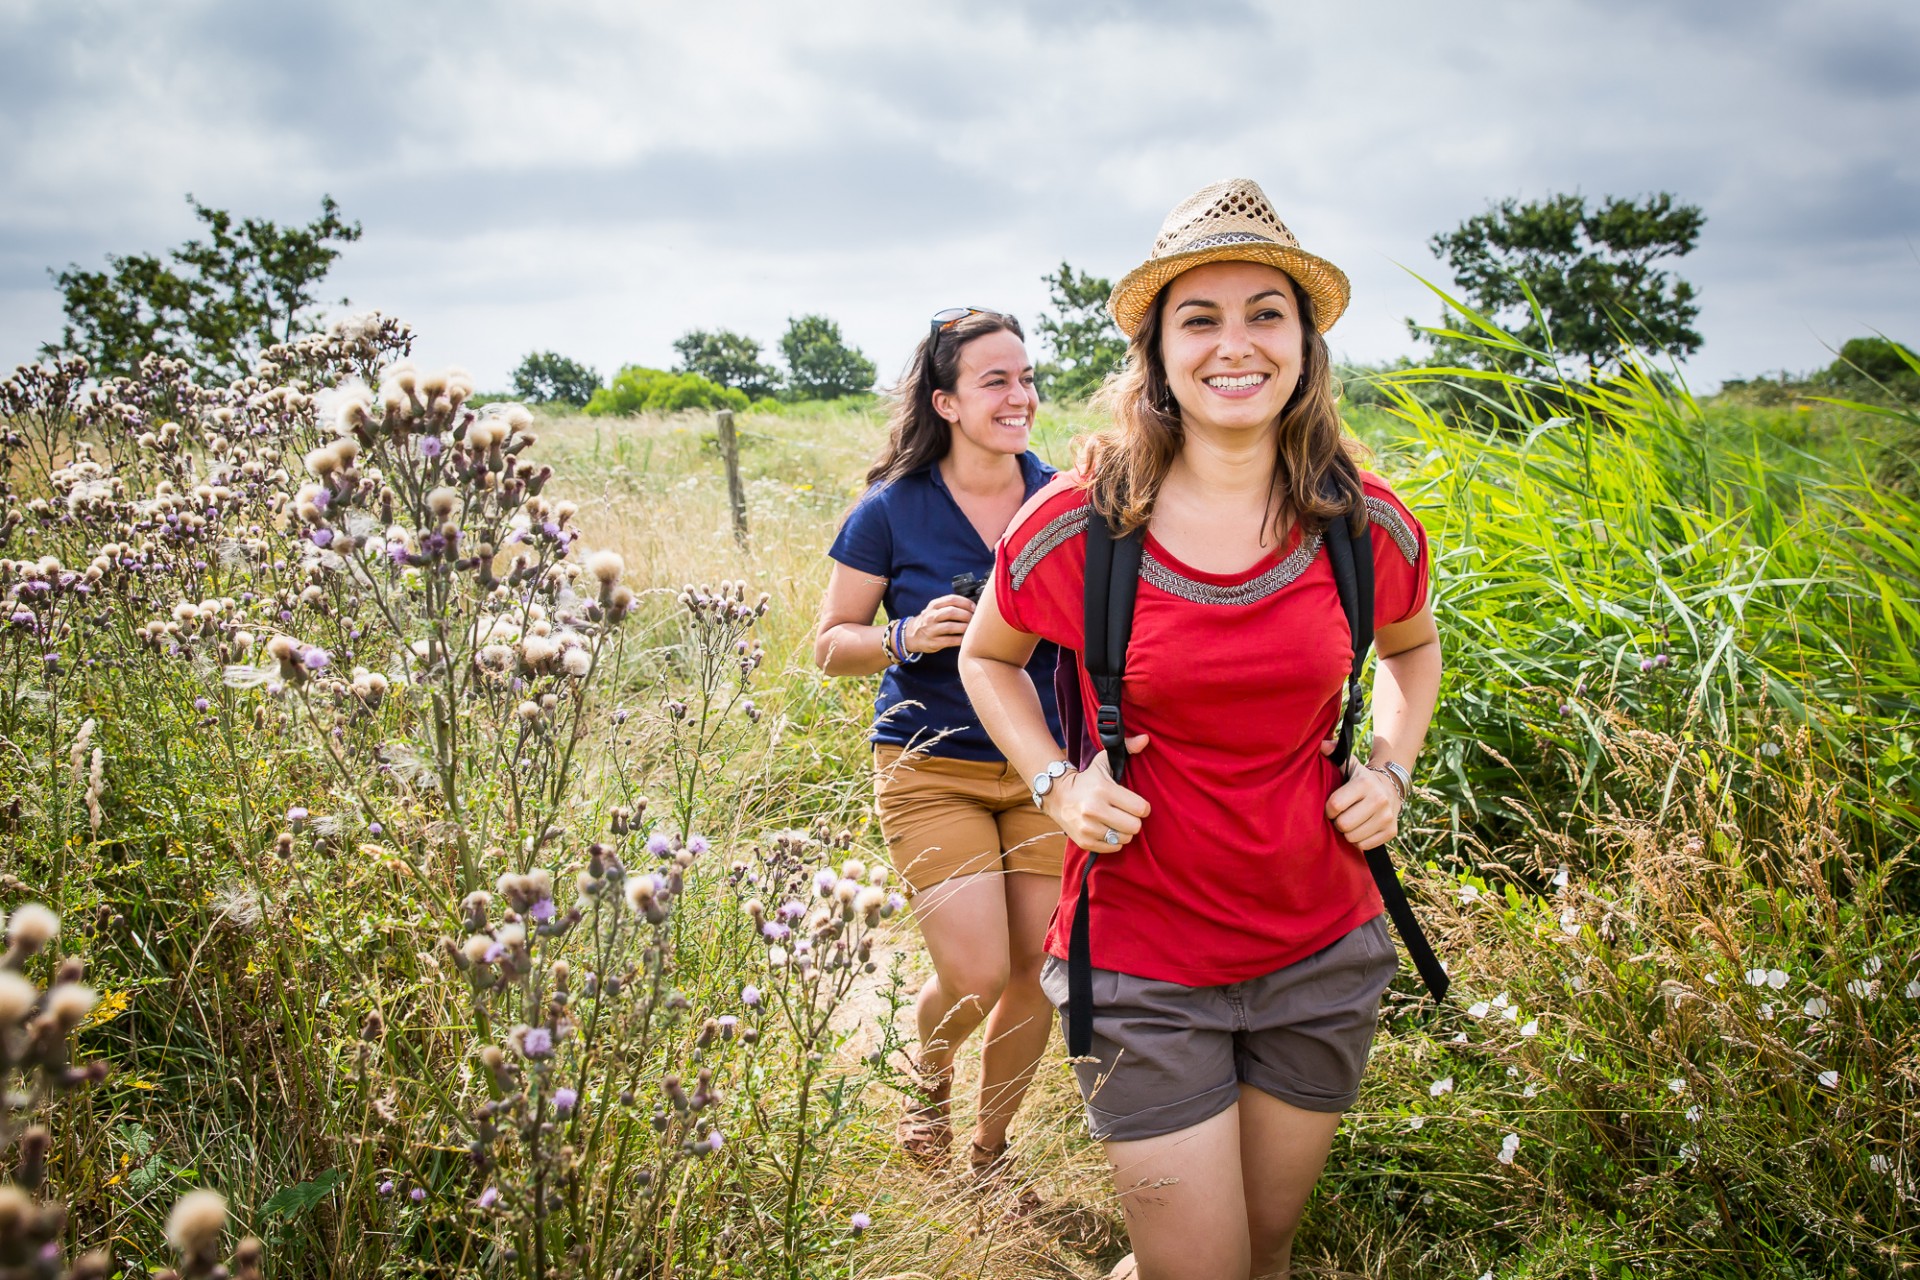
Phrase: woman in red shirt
(1238,946)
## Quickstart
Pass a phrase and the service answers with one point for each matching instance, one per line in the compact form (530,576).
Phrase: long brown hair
(916,434)
(1316,474)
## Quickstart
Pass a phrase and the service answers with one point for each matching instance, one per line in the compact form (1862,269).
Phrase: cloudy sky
(598,176)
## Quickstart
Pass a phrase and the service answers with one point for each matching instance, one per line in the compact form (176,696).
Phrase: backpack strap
(1112,581)
(1353,575)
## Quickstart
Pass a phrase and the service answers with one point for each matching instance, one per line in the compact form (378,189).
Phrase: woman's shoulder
(1388,515)
(1064,497)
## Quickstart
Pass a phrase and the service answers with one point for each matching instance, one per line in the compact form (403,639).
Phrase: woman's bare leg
(1282,1151)
(964,924)
(1022,1018)
(1185,1207)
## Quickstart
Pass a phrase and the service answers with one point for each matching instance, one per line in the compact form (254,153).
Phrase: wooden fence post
(736,493)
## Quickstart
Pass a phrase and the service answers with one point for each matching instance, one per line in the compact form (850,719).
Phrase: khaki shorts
(944,817)
(1171,1056)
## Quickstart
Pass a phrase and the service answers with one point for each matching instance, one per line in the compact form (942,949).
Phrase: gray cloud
(598,177)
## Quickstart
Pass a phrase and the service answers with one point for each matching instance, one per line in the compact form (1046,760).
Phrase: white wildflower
(1478,1009)
(1880,1162)
(1511,1013)
(1531,1091)
(1756,977)
(1766,1012)
(1469,894)
(1861,989)
(1532,1027)
(1777,978)
(1440,1086)
(1569,922)
(1913,989)
(1459,1037)
(1815,1007)
(1560,878)
(1509,1147)
(1677,1085)
(1689,1153)
(776,956)
(1871,967)
(1416,1122)
(1693,1114)
(1500,1001)
(1829,1079)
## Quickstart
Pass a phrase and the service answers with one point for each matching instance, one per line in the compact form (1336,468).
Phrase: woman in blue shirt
(961,826)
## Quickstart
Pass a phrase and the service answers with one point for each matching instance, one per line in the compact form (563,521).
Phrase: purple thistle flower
(22,618)
(896,902)
(320,537)
(658,845)
(418,1195)
(489,1198)
(316,659)
(537,1042)
(551,529)
(1646,664)
(715,1141)
(824,880)
(541,911)
(397,552)
(322,500)
(750,995)
(296,816)
(386,1188)
(727,1023)
(792,910)
(697,845)
(564,1100)
(774,931)
(495,953)
(201,704)
(374,828)
(431,446)
(859,1222)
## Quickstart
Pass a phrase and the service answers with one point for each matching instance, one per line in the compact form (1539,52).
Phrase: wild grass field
(460,867)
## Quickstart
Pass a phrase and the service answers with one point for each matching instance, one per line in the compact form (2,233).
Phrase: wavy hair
(1316,472)
(916,434)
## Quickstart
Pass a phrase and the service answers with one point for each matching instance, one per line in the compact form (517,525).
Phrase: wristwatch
(1402,780)
(1043,781)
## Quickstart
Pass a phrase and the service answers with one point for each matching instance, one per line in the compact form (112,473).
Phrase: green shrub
(637,389)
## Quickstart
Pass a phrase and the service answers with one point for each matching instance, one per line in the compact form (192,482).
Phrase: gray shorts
(1170,1056)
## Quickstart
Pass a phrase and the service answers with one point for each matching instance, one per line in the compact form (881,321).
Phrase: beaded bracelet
(886,645)
(901,655)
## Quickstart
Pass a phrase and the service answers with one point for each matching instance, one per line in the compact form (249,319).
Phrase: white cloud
(597,176)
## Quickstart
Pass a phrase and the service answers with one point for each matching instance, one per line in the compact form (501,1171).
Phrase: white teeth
(1011,422)
(1244,380)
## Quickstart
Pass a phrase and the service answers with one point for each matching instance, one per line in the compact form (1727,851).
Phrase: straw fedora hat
(1229,221)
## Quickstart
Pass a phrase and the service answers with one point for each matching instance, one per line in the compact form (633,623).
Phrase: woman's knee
(977,985)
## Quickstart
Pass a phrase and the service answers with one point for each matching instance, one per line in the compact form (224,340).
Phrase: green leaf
(291,1202)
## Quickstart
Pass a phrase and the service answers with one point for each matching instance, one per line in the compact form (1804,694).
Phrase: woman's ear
(947,405)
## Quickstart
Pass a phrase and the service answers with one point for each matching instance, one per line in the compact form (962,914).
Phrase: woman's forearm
(1004,697)
(1406,688)
(850,649)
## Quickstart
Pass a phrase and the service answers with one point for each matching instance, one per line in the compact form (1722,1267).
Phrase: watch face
(1043,784)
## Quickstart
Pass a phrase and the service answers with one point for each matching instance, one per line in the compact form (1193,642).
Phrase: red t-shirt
(1238,678)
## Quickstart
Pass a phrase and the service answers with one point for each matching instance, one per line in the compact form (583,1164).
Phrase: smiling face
(993,397)
(1231,344)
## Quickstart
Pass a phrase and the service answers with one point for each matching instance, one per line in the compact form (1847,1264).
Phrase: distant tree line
(1562,279)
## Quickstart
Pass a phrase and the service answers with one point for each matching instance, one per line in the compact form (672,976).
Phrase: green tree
(1081,336)
(248,285)
(636,389)
(546,377)
(1868,365)
(1591,272)
(820,365)
(728,358)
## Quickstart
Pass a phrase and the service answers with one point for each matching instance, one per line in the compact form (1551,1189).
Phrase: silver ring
(1110,836)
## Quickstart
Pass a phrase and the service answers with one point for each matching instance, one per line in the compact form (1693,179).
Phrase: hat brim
(1323,282)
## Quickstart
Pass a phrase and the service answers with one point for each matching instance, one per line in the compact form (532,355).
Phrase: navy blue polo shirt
(912,533)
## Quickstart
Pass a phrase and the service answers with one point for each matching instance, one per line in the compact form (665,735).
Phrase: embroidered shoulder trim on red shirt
(1054,534)
(1387,516)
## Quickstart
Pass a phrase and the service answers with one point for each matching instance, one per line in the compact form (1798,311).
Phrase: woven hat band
(1226,237)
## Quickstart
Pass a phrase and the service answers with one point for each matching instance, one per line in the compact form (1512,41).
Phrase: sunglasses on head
(945,320)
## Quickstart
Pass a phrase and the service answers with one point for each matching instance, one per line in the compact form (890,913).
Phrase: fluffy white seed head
(196,1222)
(16,998)
(32,927)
